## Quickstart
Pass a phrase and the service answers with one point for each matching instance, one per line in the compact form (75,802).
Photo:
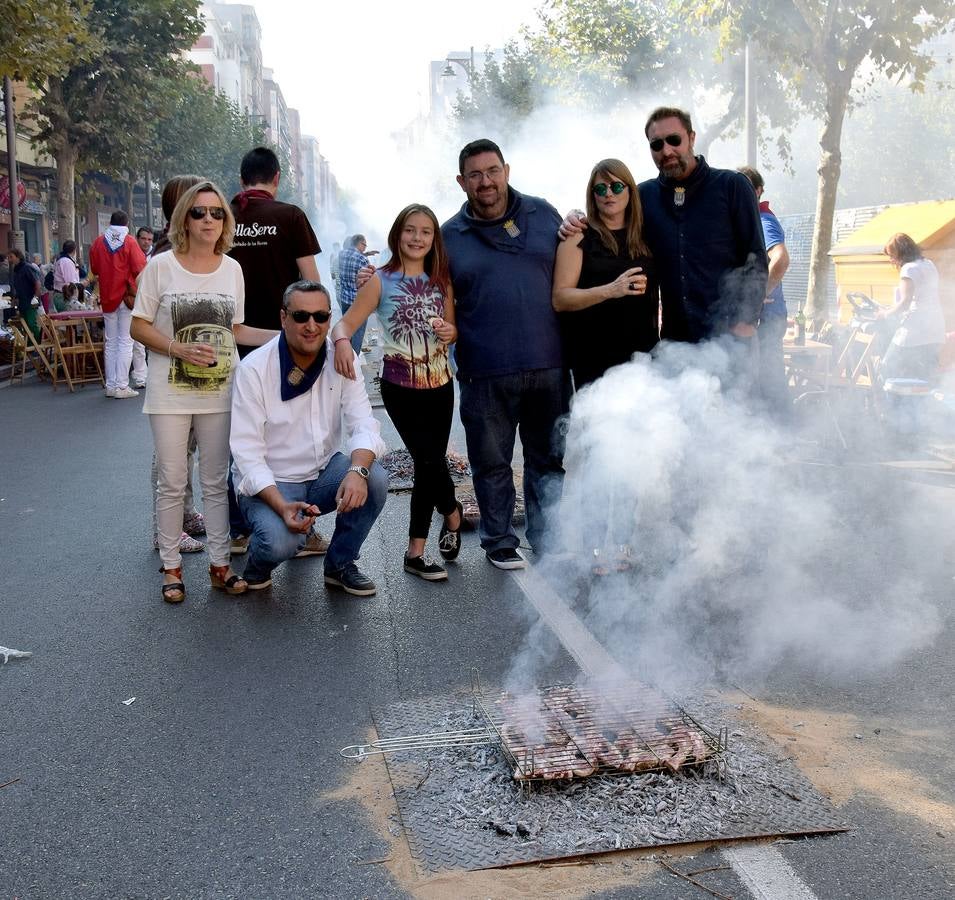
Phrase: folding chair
(41,353)
(74,349)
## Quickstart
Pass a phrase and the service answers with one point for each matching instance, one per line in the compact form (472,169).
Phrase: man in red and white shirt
(116,260)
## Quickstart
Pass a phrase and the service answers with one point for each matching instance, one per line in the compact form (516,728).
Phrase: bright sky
(361,69)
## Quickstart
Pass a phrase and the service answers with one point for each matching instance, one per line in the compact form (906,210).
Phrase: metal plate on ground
(461,808)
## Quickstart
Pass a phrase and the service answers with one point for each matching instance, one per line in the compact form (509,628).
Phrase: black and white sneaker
(351,580)
(506,558)
(425,568)
(449,540)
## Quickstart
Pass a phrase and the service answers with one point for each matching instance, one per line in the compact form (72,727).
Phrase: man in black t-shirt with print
(275,246)
(274,243)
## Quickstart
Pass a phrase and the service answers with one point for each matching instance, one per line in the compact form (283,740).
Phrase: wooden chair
(41,353)
(75,353)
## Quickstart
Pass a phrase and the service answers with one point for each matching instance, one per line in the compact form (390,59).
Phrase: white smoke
(742,555)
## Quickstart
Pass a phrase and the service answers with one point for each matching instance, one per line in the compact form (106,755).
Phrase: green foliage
(42,38)
(198,132)
(99,110)
(502,93)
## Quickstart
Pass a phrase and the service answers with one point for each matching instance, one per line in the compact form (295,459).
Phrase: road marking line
(761,867)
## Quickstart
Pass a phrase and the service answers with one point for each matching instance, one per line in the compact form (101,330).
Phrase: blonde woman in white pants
(189,312)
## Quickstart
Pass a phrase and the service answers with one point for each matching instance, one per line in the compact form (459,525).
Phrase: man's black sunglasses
(674,140)
(199,212)
(301,316)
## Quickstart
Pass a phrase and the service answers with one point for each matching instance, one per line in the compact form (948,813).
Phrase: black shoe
(425,568)
(351,580)
(449,540)
(506,558)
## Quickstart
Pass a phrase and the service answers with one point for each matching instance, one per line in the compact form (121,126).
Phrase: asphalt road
(223,777)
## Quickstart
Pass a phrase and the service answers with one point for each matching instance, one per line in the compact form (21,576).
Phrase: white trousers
(139,362)
(118,348)
(171,436)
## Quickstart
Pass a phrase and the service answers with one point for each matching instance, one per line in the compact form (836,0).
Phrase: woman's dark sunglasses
(301,316)
(601,188)
(199,212)
(674,140)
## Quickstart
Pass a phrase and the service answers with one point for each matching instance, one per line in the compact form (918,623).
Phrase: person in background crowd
(333,263)
(193,522)
(144,237)
(288,409)
(415,305)
(189,313)
(116,260)
(501,247)
(274,245)
(351,260)
(65,271)
(27,286)
(917,341)
(772,319)
(44,270)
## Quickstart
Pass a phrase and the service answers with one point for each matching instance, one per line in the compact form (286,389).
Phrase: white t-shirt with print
(924,322)
(191,308)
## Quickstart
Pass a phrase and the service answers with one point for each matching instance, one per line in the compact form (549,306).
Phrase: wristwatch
(361,470)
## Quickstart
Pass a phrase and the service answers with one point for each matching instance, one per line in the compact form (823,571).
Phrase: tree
(830,50)
(97,112)
(41,38)
(502,93)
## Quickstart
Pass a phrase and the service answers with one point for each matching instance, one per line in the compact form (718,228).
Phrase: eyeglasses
(301,316)
(601,188)
(199,212)
(674,140)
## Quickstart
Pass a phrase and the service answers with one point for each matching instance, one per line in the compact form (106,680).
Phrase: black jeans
(422,416)
(492,410)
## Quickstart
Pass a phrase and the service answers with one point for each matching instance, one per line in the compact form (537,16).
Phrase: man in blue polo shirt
(772,319)
(501,247)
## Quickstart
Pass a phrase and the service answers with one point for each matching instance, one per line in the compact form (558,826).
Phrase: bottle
(800,339)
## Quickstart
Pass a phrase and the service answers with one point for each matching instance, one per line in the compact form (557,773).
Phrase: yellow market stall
(861,265)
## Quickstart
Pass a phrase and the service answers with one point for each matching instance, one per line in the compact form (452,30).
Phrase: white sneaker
(123,393)
(109,392)
(139,383)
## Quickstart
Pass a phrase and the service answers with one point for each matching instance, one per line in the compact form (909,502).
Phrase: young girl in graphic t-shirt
(189,311)
(412,296)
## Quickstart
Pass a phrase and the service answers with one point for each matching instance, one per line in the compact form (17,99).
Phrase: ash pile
(482,805)
(400,468)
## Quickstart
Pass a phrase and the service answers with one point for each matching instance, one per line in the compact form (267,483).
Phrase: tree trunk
(709,134)
(830,167)
(65,156)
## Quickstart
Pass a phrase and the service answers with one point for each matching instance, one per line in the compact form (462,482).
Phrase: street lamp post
(465,62)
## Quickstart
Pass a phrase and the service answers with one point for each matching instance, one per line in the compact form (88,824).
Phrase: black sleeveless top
(607,334)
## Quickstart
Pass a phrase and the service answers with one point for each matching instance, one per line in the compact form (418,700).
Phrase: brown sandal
(174,591)
(230,583)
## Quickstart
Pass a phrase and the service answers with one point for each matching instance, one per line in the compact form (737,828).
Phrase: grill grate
(566,731)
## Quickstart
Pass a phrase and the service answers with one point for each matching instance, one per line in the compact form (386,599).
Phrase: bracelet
(169,348)
(339,340)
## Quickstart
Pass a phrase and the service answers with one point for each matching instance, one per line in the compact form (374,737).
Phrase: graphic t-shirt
(414,357)
(269,237)
(192,308)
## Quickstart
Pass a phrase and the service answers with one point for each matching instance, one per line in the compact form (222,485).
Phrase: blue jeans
(272,543)
(492,411)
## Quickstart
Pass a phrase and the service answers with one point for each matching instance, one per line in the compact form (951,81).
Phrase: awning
(925,223)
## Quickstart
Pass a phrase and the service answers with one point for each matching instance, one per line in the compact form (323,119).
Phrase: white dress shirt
(274,440)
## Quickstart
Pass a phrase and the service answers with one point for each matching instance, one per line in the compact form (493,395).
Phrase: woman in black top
(606,293)
(604,283)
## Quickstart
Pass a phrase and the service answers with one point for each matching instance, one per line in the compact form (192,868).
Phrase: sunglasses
(199,212)
(674,140)
(301,316)
(601,188)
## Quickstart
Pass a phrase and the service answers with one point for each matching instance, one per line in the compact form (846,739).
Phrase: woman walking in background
(413,298)
(189,311)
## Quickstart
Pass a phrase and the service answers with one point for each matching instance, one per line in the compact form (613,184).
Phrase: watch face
(361,470)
